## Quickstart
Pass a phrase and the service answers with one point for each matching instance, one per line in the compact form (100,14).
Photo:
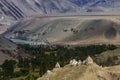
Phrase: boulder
(89,60)
(57,65)
(79,62)
(48,72)
(73,62)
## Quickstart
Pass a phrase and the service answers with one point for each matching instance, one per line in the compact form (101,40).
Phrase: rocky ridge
(87,70)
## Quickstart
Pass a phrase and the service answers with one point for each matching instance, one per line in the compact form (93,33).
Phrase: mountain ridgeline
(17,9)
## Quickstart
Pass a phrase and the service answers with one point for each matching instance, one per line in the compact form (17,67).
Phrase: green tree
(8,67)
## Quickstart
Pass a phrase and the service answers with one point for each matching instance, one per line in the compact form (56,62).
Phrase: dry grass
(83,72)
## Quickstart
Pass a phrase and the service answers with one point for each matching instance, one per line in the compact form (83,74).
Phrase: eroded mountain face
(16,9)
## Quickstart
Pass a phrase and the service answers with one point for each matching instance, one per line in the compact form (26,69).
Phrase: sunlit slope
(83,72)
(68,30)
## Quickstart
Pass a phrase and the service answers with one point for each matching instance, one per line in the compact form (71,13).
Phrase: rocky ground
(86,70)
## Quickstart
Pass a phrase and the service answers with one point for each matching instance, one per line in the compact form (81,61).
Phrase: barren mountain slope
(7,44)
(14,10)
(68,30)
(17,9)
(7,49)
